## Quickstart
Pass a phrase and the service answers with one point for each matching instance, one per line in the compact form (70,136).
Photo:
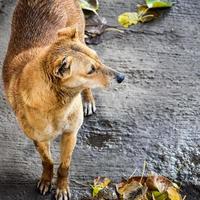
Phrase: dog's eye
(92,70)
(64,63)
(63,66)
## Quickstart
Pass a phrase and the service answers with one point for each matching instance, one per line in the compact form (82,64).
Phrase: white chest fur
(67,119)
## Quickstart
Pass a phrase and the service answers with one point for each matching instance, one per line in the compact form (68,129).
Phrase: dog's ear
(63,69)
(68,33)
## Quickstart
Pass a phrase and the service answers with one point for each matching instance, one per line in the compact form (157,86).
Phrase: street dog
(47,68)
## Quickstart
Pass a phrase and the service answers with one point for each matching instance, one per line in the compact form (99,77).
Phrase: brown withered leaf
(132,189)
(95,27)
(148,188)
(159,183)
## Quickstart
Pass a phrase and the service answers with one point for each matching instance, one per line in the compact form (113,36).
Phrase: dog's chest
(58,125)
(52,126)
(60,121)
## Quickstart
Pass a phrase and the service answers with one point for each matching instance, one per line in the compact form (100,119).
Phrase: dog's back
(35,25)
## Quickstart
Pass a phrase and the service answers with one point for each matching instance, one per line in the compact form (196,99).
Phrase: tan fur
(45,96)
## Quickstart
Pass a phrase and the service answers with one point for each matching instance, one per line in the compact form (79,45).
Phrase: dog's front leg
(68,143)
(44,185)
(89,106)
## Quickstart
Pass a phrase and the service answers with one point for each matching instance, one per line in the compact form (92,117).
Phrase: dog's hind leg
(44,185)
(89,106)
(68,143)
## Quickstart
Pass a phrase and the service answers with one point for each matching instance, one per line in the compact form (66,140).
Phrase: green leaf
(128,18)
(95,190)
(158,4)
(162,196)
(156,193)
(91,5)
(99,184)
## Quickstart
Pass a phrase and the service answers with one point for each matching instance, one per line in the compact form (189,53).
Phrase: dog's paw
(89,108)
(62,194)
(44,186)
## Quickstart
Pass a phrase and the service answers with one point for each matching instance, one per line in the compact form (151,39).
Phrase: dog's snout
(120,77)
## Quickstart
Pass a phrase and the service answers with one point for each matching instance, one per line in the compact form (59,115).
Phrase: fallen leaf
(90,5)
(95,27)
(143,14)
(132,189)
(158,4)
(95,24)
(176,186)
(99,184)
(142,9)
(173,194)
(162,196)
(108,193)
(128,18)
(159,183)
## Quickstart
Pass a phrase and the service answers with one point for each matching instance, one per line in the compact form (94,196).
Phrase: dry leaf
(128,18)
(132,189)
(99,184)
(158,4)
(173,194)
(95,27)
(90,5)
(159,183)
(143,14)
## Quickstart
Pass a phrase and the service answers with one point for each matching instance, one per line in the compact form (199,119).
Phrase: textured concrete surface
(153,116)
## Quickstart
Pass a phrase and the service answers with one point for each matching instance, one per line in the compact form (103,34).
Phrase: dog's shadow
(12,187)
(191,191)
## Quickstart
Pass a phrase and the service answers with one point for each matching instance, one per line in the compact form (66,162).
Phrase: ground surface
(154,115)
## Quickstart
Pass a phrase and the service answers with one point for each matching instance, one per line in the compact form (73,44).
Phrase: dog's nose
(120,78)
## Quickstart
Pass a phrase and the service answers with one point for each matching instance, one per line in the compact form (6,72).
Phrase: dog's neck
(40,93)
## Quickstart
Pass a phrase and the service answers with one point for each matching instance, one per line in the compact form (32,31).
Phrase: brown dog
(47,66)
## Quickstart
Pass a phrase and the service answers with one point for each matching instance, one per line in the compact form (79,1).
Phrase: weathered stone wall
(153,116)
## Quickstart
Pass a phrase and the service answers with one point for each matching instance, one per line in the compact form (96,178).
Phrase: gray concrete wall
(154,116)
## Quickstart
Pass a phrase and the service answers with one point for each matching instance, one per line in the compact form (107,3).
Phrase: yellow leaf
(106,182)
(147,18)
(128,18)
(92,5)
(176,186)
(95,190)
(173,194)
(142,9)
(99,184)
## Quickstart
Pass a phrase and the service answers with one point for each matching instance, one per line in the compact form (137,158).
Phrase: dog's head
(74,65)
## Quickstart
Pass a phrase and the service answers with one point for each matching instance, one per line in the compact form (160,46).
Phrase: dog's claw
(89,108)
(44,187)
(62,194)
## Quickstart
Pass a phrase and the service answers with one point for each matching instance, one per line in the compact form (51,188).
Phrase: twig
(143,171)
(153,197)
(114,29)
(132,173)
(184,197)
